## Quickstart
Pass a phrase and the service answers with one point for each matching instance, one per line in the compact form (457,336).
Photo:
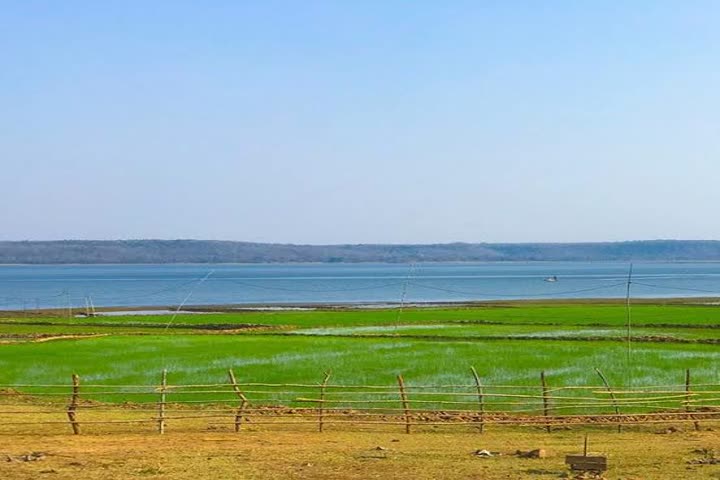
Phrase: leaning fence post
(481,398)
(546,401)
(612,396)
(243,400)
(73,405)
(404,399)
(688,394)
(321,403)
(161,407)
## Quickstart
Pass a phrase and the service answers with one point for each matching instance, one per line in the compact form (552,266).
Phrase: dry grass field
(285,453)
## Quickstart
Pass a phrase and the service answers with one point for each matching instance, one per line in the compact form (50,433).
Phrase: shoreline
(198,309)
(370,262)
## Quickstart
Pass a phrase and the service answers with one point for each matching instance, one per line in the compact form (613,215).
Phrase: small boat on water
(552,279)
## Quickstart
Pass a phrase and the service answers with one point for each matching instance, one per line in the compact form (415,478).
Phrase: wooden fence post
(688,394)
(73,405)
(612,396)
(546,401)
(404,399)
(161,407)
(321,404)
(243,400)
(481,398)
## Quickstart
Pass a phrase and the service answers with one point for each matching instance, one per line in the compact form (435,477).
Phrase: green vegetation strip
(513,314)
(434,346)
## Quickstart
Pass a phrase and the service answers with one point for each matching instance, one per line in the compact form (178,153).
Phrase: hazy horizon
(327,123)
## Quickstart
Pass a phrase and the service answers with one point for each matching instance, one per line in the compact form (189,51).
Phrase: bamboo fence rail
(237,404)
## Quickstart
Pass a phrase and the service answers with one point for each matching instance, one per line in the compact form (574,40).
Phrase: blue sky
(372,121)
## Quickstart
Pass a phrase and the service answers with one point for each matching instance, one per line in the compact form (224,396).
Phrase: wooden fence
(234,405)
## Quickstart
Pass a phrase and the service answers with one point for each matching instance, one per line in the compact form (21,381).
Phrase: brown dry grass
(284,452)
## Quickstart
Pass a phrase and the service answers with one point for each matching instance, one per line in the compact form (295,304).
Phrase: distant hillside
(211,251)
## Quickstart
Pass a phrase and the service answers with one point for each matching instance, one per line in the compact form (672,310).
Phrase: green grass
(282,359)
(472,331)
(555,314)
(508,345)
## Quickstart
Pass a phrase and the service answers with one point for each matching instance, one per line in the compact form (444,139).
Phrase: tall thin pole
(546,401)
(405,403)
(321,403)
(404,294)
(688,398)
(478,386)
(243,400)
(69,305)
(628,322)
(161,405)
(72,407)
(612,397)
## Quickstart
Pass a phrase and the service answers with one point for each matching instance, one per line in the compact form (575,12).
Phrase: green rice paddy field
(507,344)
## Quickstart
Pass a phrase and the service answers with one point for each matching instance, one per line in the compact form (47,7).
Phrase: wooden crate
(587,463)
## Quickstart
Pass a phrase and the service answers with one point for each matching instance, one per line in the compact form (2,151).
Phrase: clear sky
(360,121)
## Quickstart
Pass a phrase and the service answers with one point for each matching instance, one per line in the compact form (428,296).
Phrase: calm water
(44,286)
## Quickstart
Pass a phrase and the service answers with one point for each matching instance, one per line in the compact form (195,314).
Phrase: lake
(45,286)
